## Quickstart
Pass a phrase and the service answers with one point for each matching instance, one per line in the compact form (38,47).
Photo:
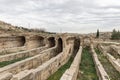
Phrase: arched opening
(12,41)
(76,46)
(60,45)
(51,42)
(35,42)
(22,40)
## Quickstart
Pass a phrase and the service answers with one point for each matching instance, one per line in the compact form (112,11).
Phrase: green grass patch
(58,74)
(87,66)
(5,63)
(111,71)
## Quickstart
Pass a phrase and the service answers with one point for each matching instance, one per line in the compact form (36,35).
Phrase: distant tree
(115,35)
(97,34)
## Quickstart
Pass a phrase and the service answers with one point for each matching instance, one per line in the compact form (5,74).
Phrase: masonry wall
(34,42)
(12,50)
(22,54)
(115,50)
(72,72)
(102,74)
(33,62)
(29,63)
(10,42)
(112,60)
(41,66)
(47,69)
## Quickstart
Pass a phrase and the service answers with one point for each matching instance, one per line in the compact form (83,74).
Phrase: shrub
(115,35)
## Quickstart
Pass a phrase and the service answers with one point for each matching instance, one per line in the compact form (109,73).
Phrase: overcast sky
(78,16)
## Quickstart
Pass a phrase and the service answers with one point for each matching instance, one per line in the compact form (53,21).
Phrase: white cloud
(105,3)
(68,15)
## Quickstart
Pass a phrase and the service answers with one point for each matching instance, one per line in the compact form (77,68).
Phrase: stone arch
(76,46)
(35,41)
(51,41)
(60,45)
(12,41)
(41,39)
(23,40)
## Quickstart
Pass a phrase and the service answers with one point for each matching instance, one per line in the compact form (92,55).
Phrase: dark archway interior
(60,45)
(76,46)
(51,42)
(23,41)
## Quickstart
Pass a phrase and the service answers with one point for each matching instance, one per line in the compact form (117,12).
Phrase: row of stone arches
(30,42)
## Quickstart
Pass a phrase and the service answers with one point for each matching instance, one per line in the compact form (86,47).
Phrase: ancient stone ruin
(41,56)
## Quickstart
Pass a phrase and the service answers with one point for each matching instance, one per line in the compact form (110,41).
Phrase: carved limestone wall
(72,72)
(99,68)
(12,41)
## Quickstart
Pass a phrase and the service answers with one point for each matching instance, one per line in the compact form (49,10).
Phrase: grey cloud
(56,14)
